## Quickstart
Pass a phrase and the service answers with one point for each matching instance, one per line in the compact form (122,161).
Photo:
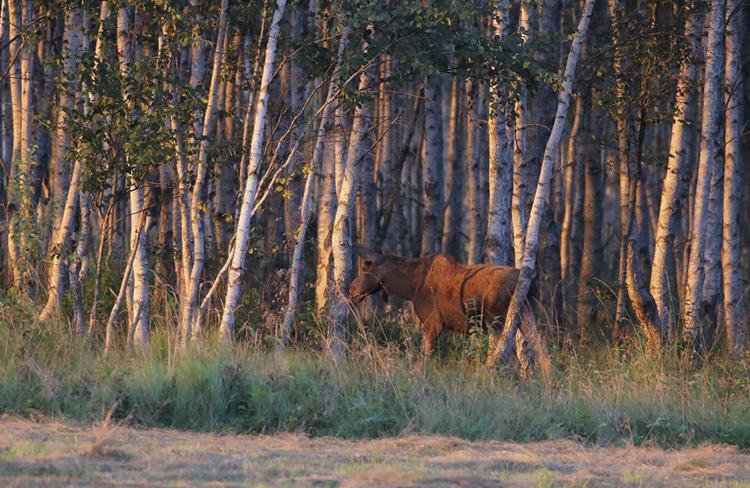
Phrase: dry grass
(54,453)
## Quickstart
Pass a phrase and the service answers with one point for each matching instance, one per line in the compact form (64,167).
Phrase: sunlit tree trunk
(734,291)
(197,200)
(712,98)
(140,285)
(326,211)
(341,237)
(577,147)
(503,346)
(520,170)
(675,182)
(66,179)
(241,236)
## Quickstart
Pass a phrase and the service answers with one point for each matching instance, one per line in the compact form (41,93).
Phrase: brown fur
(442,289)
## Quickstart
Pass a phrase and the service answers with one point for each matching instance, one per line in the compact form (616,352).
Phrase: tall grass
(601,396)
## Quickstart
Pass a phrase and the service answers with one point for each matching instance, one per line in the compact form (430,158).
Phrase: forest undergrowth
(599,394)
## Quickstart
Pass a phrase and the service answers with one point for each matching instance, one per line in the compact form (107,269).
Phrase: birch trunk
(140,286)
(452,181)
(471,164)
(498,241)
(64,222)
(592,255)
(326,212)
(734,306)
(520,170)
(197,201)
(431,166)
(241,236)
(663,286)
(503,347)
(341,237)
(626,151)
(712,99)
(710,294)
(307,197)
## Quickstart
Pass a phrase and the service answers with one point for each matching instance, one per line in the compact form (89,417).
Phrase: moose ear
(368,254)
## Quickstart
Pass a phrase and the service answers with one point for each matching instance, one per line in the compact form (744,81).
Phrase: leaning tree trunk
(734,308)
(503,347)
(341,237)
(712,98)
(242,232)
(663,264)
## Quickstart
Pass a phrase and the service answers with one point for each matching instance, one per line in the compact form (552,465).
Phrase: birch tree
(62,231)
(663,267)
(709,143)
(734,293)
(520,176)
(341,237)
(502,347)
(498,240)
(241,235)
(307,196)
(197,198)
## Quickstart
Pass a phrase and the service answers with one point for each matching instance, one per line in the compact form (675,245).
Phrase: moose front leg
(432,329)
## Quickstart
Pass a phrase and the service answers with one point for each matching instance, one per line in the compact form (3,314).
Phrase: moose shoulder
(441,288)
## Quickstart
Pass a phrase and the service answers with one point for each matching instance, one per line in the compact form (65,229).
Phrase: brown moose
(440,288)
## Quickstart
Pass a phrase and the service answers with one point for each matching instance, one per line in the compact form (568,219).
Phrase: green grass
(601,396)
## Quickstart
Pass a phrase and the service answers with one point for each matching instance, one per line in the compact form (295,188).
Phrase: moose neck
(399,280)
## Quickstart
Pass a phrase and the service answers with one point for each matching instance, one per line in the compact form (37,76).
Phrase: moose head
(371,279)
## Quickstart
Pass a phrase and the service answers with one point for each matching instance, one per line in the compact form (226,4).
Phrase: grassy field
(53,453)
(602,396)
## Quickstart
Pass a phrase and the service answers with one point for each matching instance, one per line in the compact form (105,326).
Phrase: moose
(440,288)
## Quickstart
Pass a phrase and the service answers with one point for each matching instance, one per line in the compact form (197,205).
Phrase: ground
(61,453)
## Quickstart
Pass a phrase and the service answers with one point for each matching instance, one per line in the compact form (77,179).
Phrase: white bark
(62,230)
(498,241)
(307,197)
(734,306)
(503,347)
(341,237)
(197,201)
(675,180)
(520,176)
(242,232)
(140,285)
(709,132)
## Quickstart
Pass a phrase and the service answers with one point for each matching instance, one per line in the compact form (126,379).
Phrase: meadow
(598,394)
